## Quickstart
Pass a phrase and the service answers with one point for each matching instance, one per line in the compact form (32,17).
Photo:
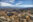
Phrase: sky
(17,3)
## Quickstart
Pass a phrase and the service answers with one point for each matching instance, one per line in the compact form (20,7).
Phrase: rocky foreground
(14,16)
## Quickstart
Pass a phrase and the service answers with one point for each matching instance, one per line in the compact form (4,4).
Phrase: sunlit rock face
(2,19)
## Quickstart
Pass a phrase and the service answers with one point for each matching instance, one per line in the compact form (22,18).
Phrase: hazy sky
(17,3)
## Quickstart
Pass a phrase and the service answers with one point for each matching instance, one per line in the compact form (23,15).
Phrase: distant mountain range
(15,8)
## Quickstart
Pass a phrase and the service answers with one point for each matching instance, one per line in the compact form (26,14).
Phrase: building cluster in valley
(16,16)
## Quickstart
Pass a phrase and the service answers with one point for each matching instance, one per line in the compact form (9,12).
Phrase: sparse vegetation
(17,16)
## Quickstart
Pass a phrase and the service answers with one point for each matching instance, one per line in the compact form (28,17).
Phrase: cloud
(6,4)
(16,5)
(12,1)
(19,3)
(24,6)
